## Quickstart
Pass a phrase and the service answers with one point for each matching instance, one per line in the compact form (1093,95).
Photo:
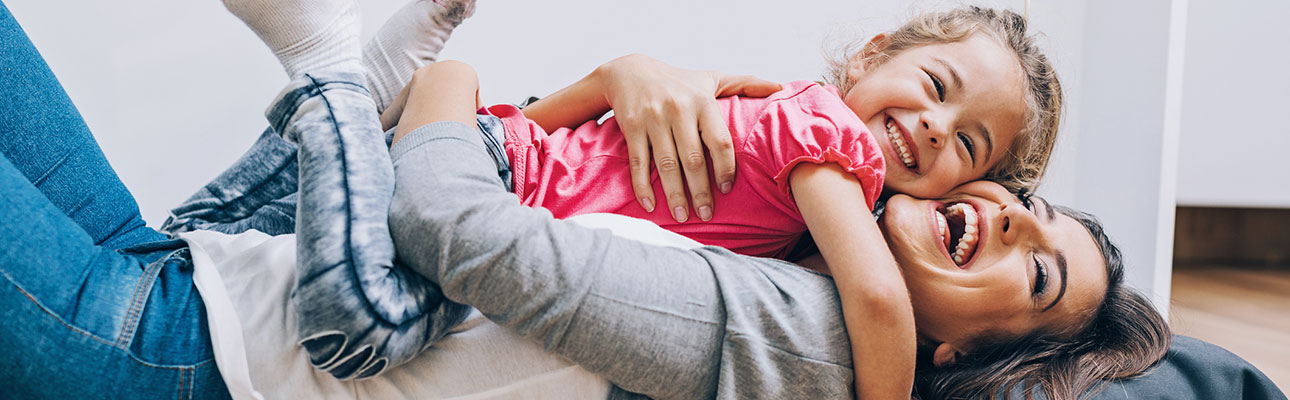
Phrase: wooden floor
(1246,311)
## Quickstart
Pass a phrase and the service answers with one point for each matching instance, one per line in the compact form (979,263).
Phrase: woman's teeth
(962,252)
(898,141)
(943,229)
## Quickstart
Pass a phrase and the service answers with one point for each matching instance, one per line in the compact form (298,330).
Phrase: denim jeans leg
(83,316)
(257,192)
(87,321)
(43,134)
(358,313)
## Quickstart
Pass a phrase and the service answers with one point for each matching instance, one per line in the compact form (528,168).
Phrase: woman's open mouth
(899,145)
(960,230)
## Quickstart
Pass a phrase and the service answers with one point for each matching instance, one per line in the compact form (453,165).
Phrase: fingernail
(649,205)
(725,187)
(705,213)
(679,214)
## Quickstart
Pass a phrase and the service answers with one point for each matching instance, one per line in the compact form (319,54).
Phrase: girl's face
(1021,269)
(943,114)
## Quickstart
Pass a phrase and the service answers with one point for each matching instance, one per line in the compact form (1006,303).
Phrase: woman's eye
(1041,277)
(967,144)
(940,88)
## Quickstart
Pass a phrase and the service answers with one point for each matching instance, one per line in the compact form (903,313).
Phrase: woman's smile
(973,261)
(959,228)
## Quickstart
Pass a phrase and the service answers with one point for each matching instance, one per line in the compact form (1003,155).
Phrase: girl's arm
(668,110)
(875,303)
(443,91)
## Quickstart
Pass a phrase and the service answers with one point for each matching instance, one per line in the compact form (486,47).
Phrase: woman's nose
(1016,222)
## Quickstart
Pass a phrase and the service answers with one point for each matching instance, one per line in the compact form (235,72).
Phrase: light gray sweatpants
(663,322)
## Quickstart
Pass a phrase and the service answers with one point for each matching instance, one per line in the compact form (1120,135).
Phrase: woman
(129,316)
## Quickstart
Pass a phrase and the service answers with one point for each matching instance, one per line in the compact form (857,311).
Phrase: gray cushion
(1194,369)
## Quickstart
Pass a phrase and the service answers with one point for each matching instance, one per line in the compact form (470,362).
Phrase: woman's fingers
(745,85)
(693,163)
(669,170)
(671,115)
(716,137)
(638,159)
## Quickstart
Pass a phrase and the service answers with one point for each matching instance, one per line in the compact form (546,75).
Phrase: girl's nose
(935,128)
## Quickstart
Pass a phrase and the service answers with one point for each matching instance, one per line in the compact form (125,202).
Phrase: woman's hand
(674,112)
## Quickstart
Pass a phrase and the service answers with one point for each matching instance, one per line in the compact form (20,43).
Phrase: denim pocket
(121,338)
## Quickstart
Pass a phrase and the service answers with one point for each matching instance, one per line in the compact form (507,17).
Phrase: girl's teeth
(893,133)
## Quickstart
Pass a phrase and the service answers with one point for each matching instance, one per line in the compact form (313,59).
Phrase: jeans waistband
(494,133)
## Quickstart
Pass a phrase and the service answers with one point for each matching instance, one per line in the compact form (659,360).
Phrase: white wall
(1235,138)
(175,91)
(1130,95)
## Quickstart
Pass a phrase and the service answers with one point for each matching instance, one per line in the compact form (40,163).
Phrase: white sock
(409,40)
(305,35)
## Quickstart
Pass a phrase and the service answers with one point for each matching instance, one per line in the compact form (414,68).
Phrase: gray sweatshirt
(663,322)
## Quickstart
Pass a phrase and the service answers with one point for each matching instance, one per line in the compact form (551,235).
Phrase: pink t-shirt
(585,170)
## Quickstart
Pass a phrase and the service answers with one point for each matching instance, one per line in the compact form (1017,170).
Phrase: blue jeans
(93,303)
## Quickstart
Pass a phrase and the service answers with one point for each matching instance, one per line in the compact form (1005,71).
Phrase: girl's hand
(671,110)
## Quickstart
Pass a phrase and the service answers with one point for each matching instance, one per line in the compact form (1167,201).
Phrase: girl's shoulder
(798,112)
(805,90)
(811,100)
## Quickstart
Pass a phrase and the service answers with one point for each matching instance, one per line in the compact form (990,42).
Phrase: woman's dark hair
(1123,337)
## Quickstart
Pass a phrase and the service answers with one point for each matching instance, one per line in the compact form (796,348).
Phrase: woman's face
(1018,270)
(943,114)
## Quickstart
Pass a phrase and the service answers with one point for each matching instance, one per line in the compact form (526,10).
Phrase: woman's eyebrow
(1061,269)
(1048,209)
(1061,256)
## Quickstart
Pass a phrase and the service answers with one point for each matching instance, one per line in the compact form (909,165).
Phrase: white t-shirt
(246,281)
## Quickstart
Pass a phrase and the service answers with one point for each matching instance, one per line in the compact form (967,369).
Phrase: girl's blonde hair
(1027,158)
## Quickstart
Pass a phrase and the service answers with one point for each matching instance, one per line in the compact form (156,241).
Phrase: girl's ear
(876,46)
(945,354)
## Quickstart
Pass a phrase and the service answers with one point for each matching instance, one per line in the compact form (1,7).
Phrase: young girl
(959,95)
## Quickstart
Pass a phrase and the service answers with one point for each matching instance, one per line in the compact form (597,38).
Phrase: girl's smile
(944,114)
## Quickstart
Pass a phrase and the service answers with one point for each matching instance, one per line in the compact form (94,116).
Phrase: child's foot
(305,35)
(409,40)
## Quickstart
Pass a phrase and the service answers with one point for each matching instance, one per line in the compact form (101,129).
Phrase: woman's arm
(668,110)
(875,302)
(668,323)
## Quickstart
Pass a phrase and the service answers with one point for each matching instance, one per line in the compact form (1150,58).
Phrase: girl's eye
(1041,277)
(967,144)
(940,88)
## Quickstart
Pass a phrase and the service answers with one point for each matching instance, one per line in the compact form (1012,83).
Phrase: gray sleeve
(667,323)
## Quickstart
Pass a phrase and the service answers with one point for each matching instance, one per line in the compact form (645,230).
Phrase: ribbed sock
(306,35)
